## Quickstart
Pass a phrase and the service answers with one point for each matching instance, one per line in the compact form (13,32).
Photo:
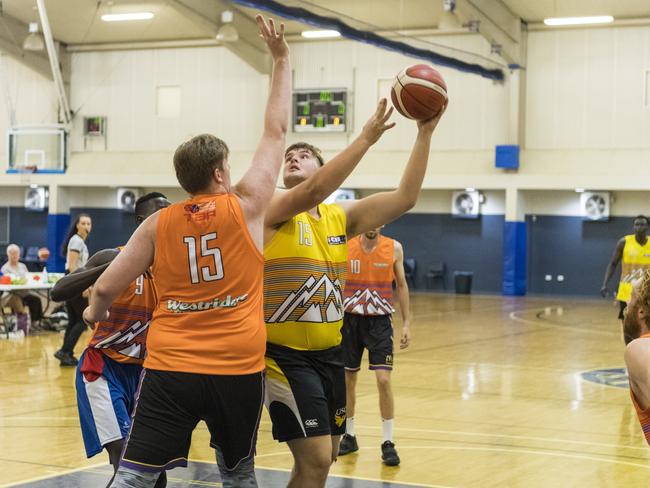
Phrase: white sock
(387,426)
(349,426)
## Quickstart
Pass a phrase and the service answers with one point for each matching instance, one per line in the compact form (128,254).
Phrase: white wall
(439,201)
(12,196)
(31,96)
(567,203)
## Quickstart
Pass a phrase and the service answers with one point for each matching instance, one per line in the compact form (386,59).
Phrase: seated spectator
(16,269)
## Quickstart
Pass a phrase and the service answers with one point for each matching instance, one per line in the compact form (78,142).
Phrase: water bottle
(44,276)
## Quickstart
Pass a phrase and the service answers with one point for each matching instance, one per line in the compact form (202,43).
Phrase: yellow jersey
(636,258)
(304,275)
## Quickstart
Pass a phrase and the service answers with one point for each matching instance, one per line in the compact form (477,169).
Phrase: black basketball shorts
(170,404)
(305,392)
(372,332)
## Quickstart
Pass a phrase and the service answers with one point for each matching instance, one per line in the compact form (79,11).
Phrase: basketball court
(515,376)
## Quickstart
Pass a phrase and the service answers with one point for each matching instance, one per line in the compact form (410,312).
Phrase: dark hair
(195,161)
(149,196)
(305,145)
(642,217)
(72,230)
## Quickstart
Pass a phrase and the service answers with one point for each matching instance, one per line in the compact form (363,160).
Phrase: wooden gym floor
(493,392)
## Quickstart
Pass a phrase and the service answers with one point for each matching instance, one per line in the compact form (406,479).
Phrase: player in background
(109,369)
(205,346)
(304,276)
(634,251)
(374,262)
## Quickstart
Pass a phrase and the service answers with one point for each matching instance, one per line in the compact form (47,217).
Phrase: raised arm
(134,260)
(379,209)
(402,292)
(611,267)
(256,187)
(75,283)
(311,192)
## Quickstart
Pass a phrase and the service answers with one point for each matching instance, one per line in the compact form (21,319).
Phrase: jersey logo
(311,423)
(200,212)
(304,306)
(124,342)
(182,307)
(367,302)
(336,240)
(380,265)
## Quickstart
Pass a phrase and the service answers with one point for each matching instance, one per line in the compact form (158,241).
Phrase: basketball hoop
(29,168)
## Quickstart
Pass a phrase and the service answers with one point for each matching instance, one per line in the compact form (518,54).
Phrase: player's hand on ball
(405,341)
(377,124)
(431,124)
(274,40)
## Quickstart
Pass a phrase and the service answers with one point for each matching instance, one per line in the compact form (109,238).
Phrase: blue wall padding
(57,227)
(514,258)
(307,17)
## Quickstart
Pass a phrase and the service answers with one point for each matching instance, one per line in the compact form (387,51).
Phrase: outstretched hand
(429,125)
(376,125)
(275,41)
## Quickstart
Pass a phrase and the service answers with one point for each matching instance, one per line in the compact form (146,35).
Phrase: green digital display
(320,110)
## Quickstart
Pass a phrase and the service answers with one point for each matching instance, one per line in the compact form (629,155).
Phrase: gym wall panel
(586,89)
(12,196)
(31,95)
(463,245)
(439,202)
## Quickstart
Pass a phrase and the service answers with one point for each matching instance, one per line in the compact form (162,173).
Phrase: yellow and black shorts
(372,332)
(305,392)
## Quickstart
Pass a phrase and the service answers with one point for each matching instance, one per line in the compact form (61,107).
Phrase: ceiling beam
(204,15)
(12,35)
(497,24)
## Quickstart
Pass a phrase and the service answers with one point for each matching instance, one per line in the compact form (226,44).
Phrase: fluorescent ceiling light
(580,190)
(320,34)
(124,17)
(470,189)
(600,19)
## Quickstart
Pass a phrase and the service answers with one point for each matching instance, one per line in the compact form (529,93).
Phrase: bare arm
(134,260)
(402,292)
(75,283)
(378,209)
(256,187)
(613,264)
(73,260)
(311,192)
(637,358)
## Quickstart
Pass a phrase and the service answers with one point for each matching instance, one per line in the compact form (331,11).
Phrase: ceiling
(78,21)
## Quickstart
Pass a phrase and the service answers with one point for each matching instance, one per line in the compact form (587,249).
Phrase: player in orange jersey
(374,262)
(304,274)
(207,337)
(109,369)
(636,331)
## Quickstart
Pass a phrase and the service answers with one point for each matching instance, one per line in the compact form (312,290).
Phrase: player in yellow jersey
(634,251)
(304,275)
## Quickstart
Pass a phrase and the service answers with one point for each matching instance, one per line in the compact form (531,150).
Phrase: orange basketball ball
(419,92)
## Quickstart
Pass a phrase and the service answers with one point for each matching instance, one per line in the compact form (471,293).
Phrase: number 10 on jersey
(205,251)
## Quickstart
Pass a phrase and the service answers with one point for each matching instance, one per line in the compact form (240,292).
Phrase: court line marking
(53,475)
(550,325)
(506,436)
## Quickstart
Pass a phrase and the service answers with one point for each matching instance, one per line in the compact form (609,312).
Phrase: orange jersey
(644,415)
(123,336)
(208,273)
(369,287)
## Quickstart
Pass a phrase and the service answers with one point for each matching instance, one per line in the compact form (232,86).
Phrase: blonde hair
(13,247)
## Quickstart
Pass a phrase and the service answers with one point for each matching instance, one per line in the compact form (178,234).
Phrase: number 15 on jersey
(205,251)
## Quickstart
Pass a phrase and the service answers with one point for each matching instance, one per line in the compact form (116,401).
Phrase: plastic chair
(437,271)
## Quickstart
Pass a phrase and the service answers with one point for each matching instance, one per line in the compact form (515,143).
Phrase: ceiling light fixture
(600,19)
(126,17)
(320,34)
(33,41)
(227,32)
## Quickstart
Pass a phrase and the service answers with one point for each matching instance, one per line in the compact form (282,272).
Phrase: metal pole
(54,62)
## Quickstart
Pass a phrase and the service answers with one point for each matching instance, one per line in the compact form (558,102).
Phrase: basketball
(419,92)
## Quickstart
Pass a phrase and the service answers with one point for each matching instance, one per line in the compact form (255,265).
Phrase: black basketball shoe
(348,444)
(389,454)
